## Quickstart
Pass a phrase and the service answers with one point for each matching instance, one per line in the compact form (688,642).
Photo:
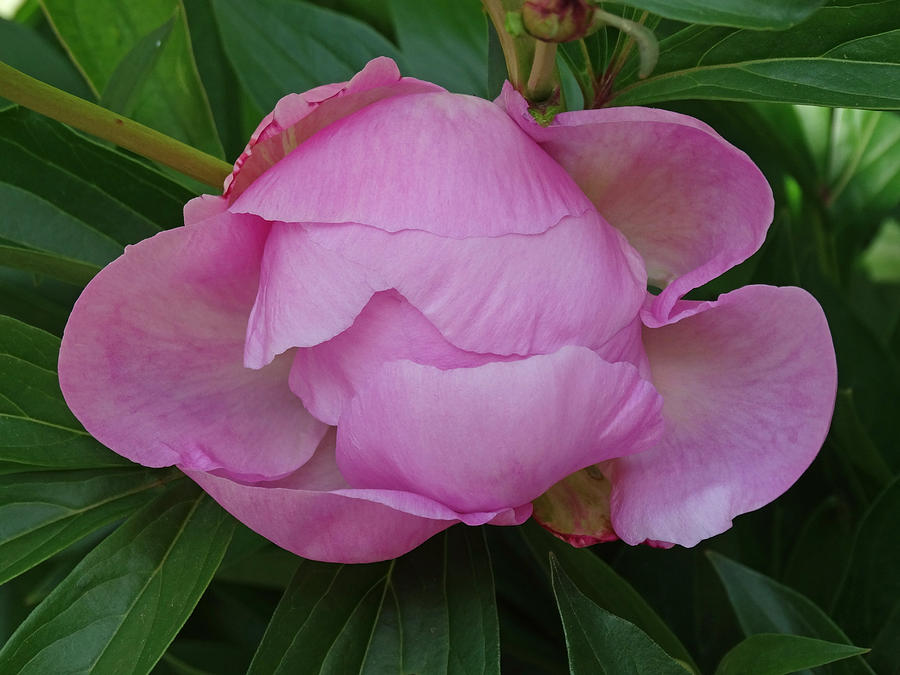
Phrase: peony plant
(411,308)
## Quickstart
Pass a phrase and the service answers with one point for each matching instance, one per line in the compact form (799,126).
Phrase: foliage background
(110,567)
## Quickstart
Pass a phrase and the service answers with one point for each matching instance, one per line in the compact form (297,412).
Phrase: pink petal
(449,164)
(313,512)
(151,357)
(577,283)
(692,204)
(494,436)
(296,117)
(749,385)
(327,376)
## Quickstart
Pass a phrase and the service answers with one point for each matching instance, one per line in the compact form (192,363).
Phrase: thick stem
(76,112)
(543,80)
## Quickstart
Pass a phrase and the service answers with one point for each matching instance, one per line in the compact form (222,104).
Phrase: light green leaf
(762,605)
(129,77)
(431,611)
(600,642)
(99,34)
(123,604)
(756,14)
(774,654)
(445,42)
(283,46)
(24,49)
(46,512)
(603,586)
(846,55)
(36,428)
(881,258)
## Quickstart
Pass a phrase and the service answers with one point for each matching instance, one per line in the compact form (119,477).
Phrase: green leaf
(36,428)
(445,42)
(773,654)
(283,46)
(600,642)
(44,513)
(845,55)
(68,196)
(431,611)
(603,586)
(99,34)
(57,266)
(123,604)
(762,605)
(870,593)
(756,14)
(881,259)
(24,49)
(37,300)
(129,77)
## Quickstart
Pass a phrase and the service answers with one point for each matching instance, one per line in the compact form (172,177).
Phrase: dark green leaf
(871,590)
(121,606)
(36,427)
(129,77)
(37,300)
(445,42)
(846,55)
(23,49)
(758,14)
(600,642)
(283,46)
(773,654)
(100,34)
(66,195)
(57,266)
(44,513)
(604,587)
(431,611)
(765,606)
(218,76)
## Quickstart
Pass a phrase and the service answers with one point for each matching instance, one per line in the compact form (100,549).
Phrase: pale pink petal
(389,328)
(749,385)
(307,295)
(449,164)
(313,512)
(578,283)
(151,359)
(692,204)
(296,117)
(484,438)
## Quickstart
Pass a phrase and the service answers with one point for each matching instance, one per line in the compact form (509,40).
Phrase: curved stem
(76,112)
(543,79)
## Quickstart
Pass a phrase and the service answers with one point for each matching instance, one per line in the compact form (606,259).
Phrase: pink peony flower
(413,308)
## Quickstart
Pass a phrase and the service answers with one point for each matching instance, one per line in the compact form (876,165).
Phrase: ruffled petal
(749,385)
(389,328)
(296,117)
(691,204)
(578,283)
(314,514)
(449,164)
(494,436)
(151,357)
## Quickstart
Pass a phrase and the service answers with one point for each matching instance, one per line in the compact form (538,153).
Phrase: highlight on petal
(151,359)
(389,328)
(490,178)
(315,514)
(296,117)
(578,283)
(749,384)
(692,204)
(484,438)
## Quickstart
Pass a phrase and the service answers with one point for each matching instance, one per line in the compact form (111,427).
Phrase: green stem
(76,112)
(543,80)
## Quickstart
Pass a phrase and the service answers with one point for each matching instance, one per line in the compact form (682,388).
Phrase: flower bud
(557,20)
